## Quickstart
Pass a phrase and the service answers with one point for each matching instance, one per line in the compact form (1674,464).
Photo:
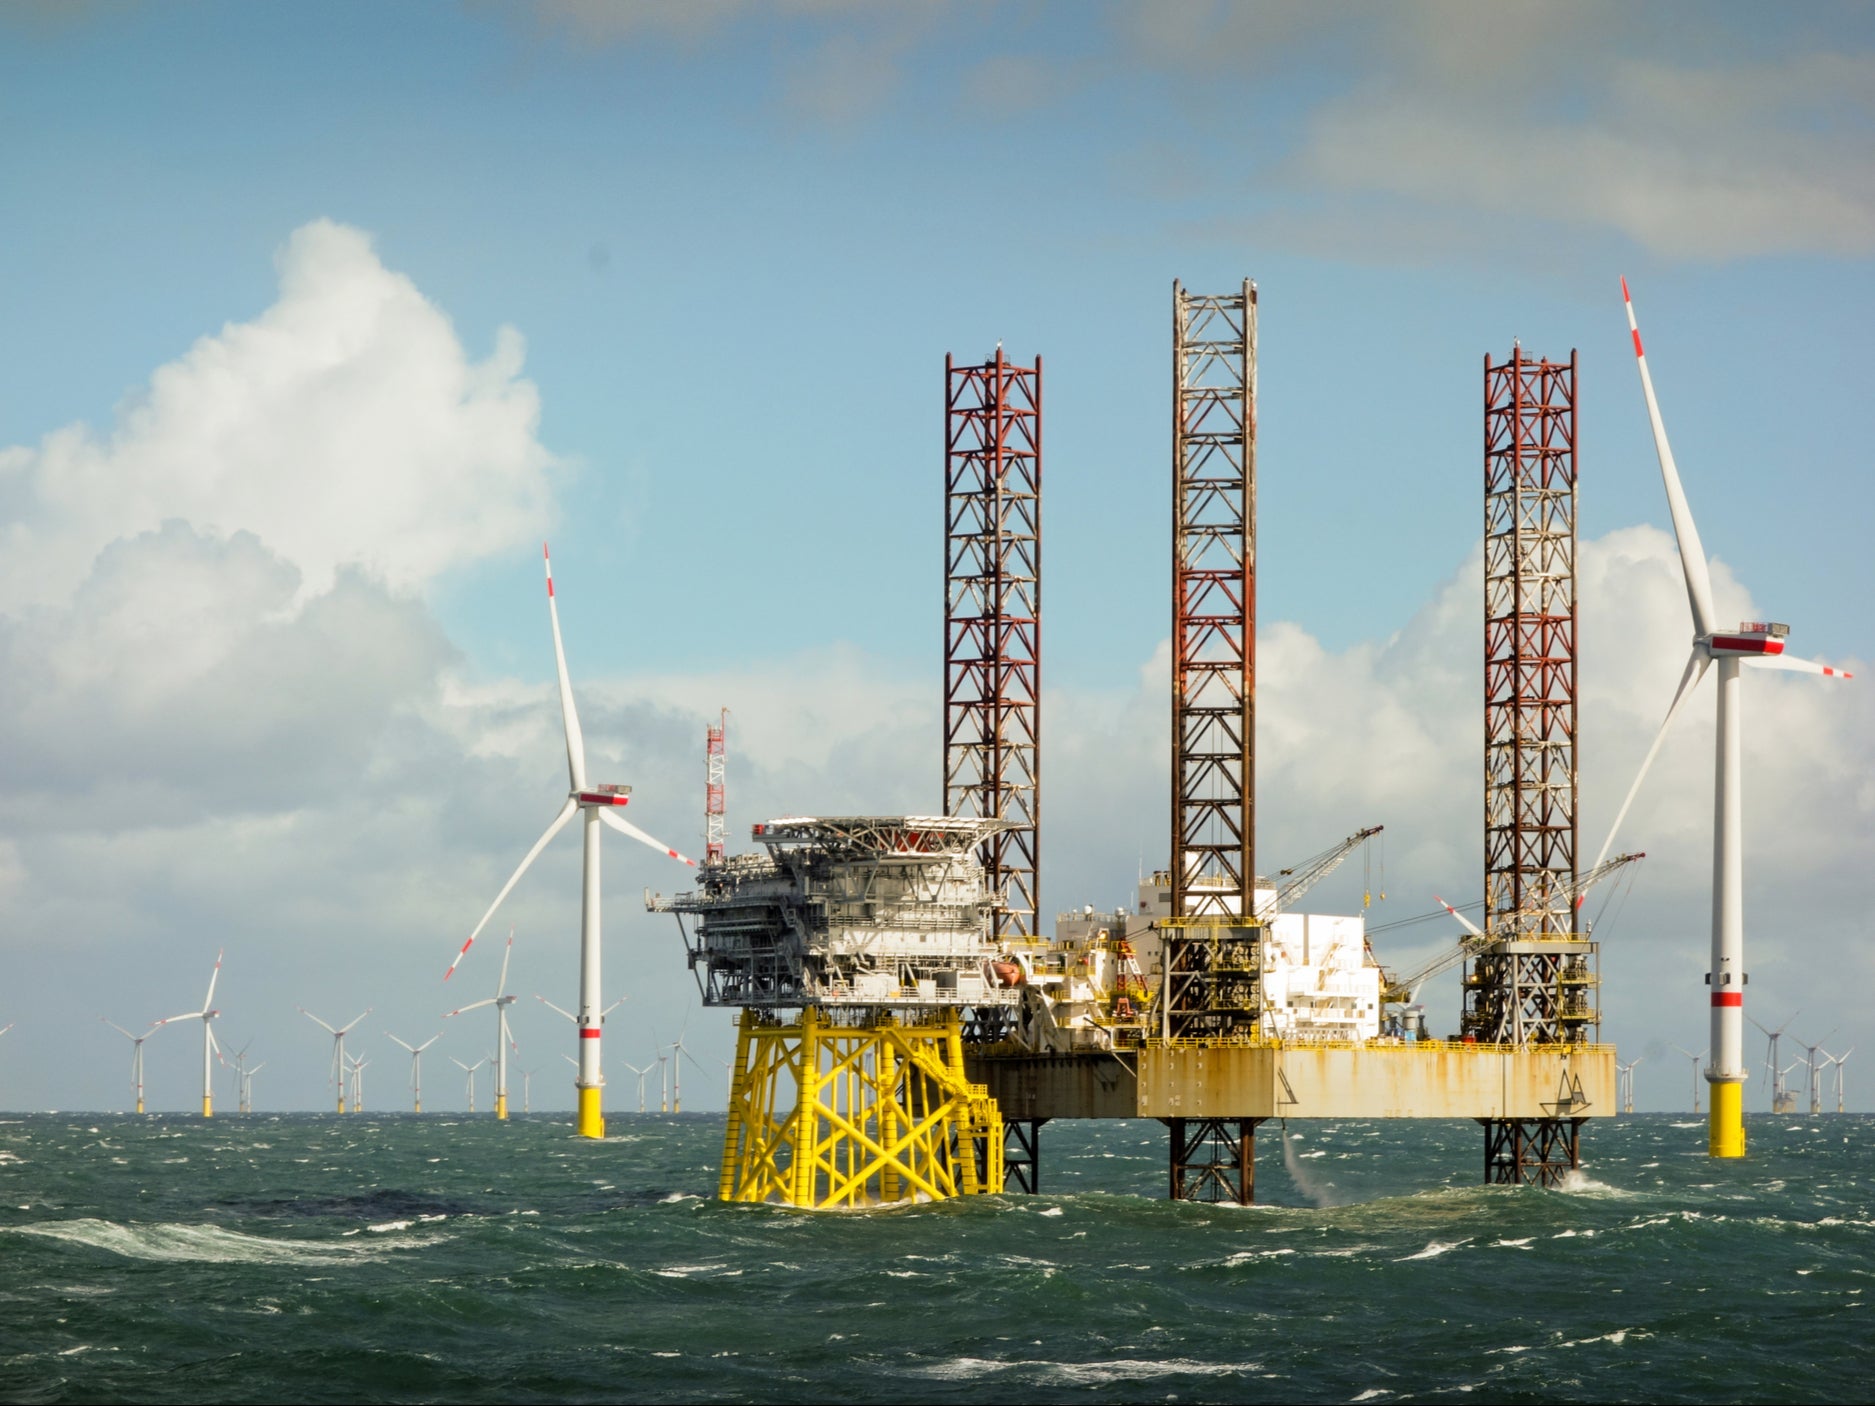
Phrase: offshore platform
(906,1031)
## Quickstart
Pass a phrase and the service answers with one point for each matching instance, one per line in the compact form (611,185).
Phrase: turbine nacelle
(606,795)
(1752,638)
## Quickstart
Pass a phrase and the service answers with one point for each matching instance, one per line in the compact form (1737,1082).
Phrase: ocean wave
(1082,1373)
(205,1243)
(1435,1249)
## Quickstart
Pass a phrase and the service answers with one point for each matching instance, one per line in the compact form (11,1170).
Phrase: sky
(319,321)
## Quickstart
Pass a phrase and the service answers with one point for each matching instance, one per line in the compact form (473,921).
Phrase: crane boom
(1474,941)
(1296,881)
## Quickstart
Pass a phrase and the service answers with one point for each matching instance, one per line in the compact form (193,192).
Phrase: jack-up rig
(905,1032)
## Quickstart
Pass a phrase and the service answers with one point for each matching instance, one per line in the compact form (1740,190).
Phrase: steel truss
(1214,1159)
(1022,1154)
(827,1113)
(993,621)
(1213,987)
(1213,601)
(1531,1151)
(1535,984)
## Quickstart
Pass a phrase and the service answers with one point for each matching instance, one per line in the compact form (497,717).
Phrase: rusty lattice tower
(1212,954)
(993,619)
(1534,985)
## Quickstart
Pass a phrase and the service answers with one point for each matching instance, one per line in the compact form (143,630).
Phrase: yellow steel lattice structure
(840,1115)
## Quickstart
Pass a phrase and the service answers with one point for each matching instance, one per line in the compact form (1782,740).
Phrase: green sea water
(441,1258)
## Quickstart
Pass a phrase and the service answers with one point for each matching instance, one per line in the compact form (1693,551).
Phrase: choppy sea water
(400,1258)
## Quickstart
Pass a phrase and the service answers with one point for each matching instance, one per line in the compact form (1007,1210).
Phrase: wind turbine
(469,1069)
(1760,644)
(664,1084)
(210,1048)
(136,1054)
(527,1089)
(679,1053)
(247,1086)
(641,1082)
(239,1065)
(1780,1100)
(1626,1073)
(358,1083)
(1839,1061)
(503,1040)
(1816,1071)
(596,804)
(1695,1058)
(416,1064)
(338,1034)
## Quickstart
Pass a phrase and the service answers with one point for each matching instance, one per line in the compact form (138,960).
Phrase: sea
(374,1258)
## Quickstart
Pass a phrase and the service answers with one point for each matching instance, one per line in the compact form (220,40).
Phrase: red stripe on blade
(1637,342)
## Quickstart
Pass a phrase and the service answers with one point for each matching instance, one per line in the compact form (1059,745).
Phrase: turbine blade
(1692,554)
(316,1021)
(501,987)
(575,742)
(473,1006)
(395,1040)
(213,977)
(552,1007)
(172,1019)
(559,823)
(625,827)
(1470,926)
(427,1043)
(1796,666)
(1696,666)
(353,1024)
(118,1028)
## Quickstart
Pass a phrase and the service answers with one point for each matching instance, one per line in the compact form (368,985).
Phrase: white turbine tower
(469,1069)
(338,1034)
(416,1065)
(1695,1058)
(1762,645)
(1839,1061)
(503,1040)
(210,1047)
(597,804)
(136,1055)
(358,1082)
(247,1086)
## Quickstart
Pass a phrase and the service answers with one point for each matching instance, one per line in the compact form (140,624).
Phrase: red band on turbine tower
(1728,998)
(590,1032)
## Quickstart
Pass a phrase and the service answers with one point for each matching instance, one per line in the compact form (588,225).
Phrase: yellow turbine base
(501,1105)
(208,1106)
(139,1105)
(824,1115)
(419,1107)
(591,1116)
(1725,1131)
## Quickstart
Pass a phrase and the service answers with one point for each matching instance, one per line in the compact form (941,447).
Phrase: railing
(1380,1043)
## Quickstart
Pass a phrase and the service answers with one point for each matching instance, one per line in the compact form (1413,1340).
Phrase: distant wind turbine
(211,1049)
(503,1040)
(338,1034)
(136,1054)
(469,1069)
(597,804)
(416,1065)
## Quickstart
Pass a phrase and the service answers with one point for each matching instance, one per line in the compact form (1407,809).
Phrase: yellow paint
(824,1115)
(139,1105)
(341,1103)
(1725,1132)
(501,1105)
(208,1106)
(419,1107)
(591,1117)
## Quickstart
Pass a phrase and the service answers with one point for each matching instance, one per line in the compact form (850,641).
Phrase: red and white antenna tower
(714,849)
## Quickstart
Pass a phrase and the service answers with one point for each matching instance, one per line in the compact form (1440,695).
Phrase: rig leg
(1214,1159)
(1023,1154)
(1531,1151)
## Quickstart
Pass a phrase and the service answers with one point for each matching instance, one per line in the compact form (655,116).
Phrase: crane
(1406,988)
(1298,880)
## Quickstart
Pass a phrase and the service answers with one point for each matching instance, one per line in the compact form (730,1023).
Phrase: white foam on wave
(209,1244)
(1618,1337)
(1051,1211)
(1578,1183)
(1522,1244)
(691,1271)
(677,1196)
(1083,1373)
(1371,1394)
(382,1226)
(1435,1249)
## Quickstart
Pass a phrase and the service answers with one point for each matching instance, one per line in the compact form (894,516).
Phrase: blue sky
(733,244)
